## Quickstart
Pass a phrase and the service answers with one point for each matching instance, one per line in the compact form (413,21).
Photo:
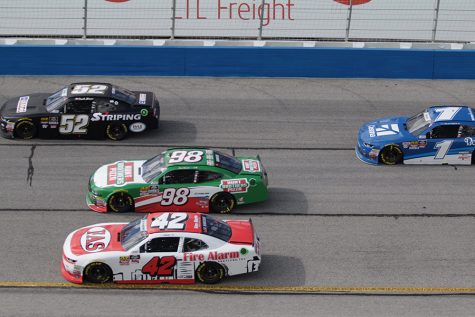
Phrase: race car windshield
(133,233)
(123,94)
(54,101)
(227,162)
(216,228)
(418,123)
(152,168)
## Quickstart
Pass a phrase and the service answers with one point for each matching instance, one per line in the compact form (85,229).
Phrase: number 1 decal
(443,148)
(160,266)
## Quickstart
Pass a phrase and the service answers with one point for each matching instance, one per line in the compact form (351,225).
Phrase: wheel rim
(210,273)
(98,273)
(120,202)
(25,130)
(117,131)
(390,156)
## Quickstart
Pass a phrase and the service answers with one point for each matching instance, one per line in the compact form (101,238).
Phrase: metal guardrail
(342,20)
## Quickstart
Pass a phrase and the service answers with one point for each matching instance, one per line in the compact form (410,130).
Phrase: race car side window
(167,244)
(449,131)
(192,245)
(79,107)
(208,176)
(178,177)
(466,131)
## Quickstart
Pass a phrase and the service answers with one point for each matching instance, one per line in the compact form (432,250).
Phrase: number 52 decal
(74,124)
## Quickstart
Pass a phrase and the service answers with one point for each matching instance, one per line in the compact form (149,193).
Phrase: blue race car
(437,135)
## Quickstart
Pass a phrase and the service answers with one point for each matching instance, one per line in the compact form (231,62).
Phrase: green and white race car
(179,179)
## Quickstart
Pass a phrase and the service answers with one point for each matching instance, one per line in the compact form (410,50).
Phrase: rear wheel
(116,131)
(98,272)
(221,203)
(209,273)
(391,155)
(25,130)
(121,202)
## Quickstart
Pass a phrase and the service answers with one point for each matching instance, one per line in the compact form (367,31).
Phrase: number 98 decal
(175,196)
(74,124)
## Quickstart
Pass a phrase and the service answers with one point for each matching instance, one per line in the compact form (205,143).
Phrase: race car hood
(385,130)
(144,98)
(24,106)
(97,238)
(242,232)
(119,174)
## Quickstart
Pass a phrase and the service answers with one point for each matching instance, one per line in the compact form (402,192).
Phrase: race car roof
(174,222)
(451,113)
(185,157)
(89,89)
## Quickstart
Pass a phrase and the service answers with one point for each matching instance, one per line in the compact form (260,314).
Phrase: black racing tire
(97,272)
(473,158)
(391,155)
(120,202)
(210,273)
(116,131)
(222,203)
(25,130)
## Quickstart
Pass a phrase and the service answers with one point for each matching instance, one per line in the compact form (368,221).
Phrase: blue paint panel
(236,61)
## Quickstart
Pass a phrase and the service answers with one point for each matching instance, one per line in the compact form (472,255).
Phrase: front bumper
(95,203)
(367,155)
(6,129)
(73,278)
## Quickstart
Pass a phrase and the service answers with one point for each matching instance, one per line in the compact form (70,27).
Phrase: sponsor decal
(116,117)
(239,185)
(464,156)
(144,112)
(213,255)
(251,166)
(44,126)
(135,258)
(22,104)
(469,141)
(373,154)
(414,145)
(137,127)
(120,173)
(149,190)
(244,251)
(124,260)
(95,239)
(371,131)
(142,99)
(387,129)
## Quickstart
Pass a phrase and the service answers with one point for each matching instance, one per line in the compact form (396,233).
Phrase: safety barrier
(237,62)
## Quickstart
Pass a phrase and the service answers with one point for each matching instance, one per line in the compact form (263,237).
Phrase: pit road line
(333,290)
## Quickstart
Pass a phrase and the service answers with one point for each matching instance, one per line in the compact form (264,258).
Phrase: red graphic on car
(353,2)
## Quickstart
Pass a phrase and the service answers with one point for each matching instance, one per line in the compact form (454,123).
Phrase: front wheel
(98,272)
(221,203)
(209,273)
(391,155)
(25,130)
(116,131)
(121,202)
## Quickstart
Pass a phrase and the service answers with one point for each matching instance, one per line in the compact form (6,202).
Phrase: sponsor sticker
(120,173)
(144,112)
(251,166)
(135,258)
(137,127)
(124,260)
(115,117)
(95,239)
(22,104)
(142,99)
(239,185)
(414,145)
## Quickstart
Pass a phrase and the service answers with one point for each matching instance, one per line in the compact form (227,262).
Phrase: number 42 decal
(160,266)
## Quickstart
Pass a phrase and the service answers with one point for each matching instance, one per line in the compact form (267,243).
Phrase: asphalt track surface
(340,237)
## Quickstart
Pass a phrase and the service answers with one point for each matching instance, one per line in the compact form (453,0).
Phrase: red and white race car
(161,248)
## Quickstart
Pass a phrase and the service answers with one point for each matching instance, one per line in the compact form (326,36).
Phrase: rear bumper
(69,276)
(6,129)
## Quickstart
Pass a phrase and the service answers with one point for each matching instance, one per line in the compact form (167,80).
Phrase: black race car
(92,110)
